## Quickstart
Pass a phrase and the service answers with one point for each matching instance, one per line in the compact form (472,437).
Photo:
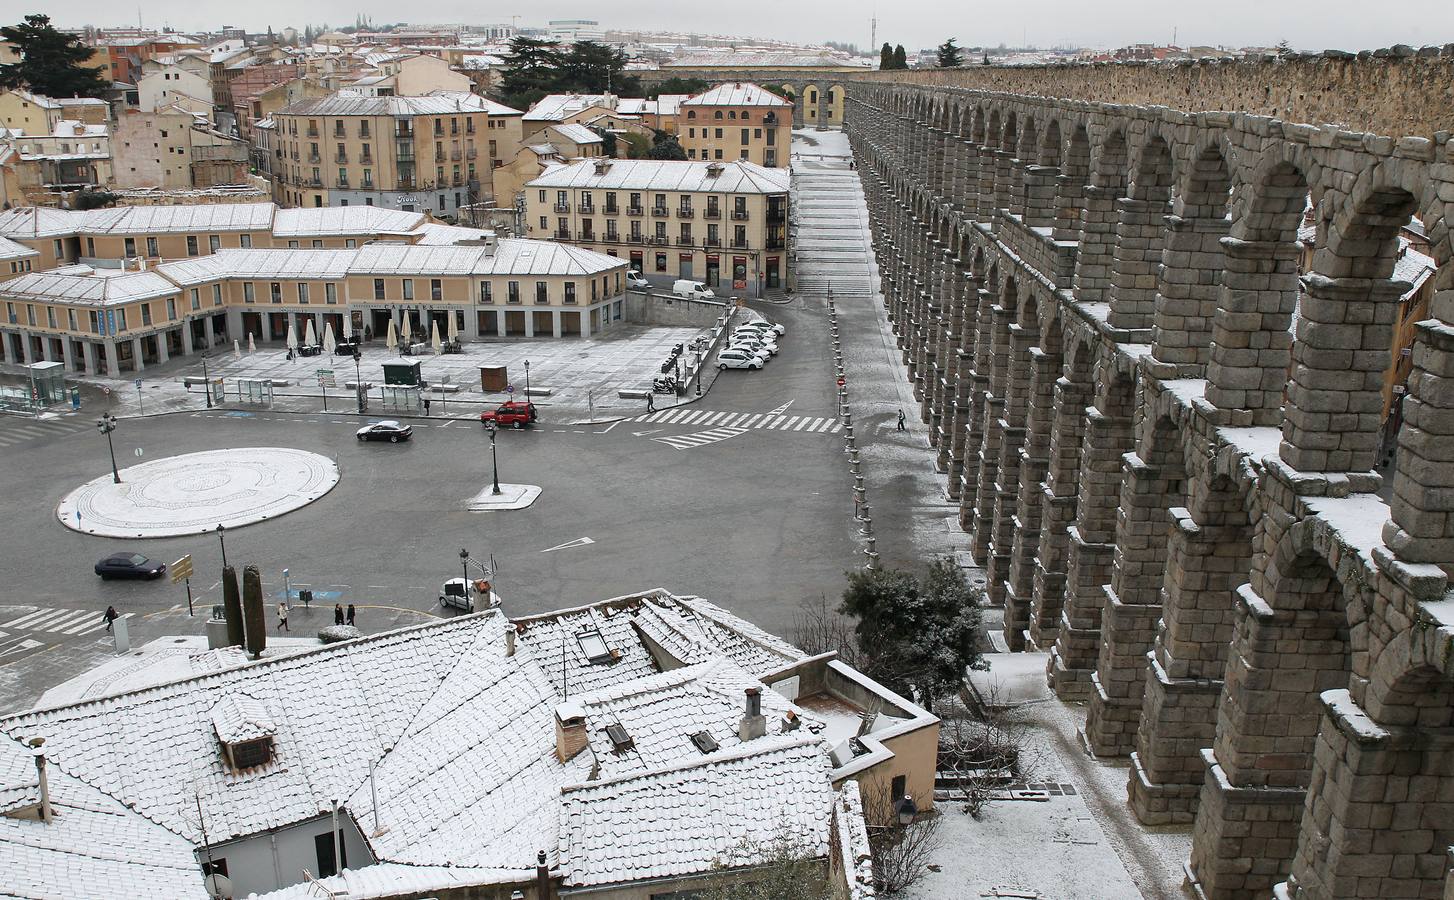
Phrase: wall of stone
(1396,92)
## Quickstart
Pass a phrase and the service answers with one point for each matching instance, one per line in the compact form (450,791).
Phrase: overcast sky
(1345,24)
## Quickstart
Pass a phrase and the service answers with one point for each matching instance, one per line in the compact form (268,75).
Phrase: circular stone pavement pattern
(196,492)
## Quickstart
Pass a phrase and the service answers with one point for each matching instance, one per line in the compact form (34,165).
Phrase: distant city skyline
(920,24)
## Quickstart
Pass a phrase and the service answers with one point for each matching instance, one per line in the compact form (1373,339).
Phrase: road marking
(645,433)
(609,427)
(712,418)
(20,646)
(578,542)
(691,417)
(781,409)
(752,422)
(700,438)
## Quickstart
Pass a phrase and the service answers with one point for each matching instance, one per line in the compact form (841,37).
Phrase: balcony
(714,242)
(685,212)
(612,210)
(684,240)
(341,158)
(659,239)
(570,300)
(635,239)
(711,213)
(439,156)
(404,133)
(562,234)
(314,182)
(438,131)
(343,182)
(587,209)
(407,184)
(338,132)
(366,160)
(314,158)
(612,237)
(562,207)
(455,154)
(634,211)
(313,132)
(660,211)
(471,153)
(366,185)
(739,215)
(363,132)
(738,245)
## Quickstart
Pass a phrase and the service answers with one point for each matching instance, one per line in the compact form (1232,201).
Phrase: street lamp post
(358,379)
(494,460)
(464,561)
(107,424)
(206,382)
(527,381)
(221,541)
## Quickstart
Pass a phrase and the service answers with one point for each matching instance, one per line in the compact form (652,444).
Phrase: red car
(515,413)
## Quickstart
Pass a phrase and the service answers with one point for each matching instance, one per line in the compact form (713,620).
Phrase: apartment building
(738,120)
(433,153)
(98,320)
(723,223)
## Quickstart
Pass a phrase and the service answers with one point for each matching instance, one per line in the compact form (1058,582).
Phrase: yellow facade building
(724,224)
(738,120)
(434,153)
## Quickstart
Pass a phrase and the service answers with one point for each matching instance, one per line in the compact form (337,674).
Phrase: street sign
(182,569)
(509,388)
(842,382)
(137,383)
(326,378)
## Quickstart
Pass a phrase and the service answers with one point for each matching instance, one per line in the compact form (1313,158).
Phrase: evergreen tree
(987,57)
(532,71)
(52,63)
(901,59)
(949,55)
(677,85)
(886,56)
(664,145)
(608,141)
(591,68)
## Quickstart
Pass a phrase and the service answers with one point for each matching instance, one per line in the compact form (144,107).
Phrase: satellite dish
(219,886)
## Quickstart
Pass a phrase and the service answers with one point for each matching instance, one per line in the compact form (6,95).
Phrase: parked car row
(751,345)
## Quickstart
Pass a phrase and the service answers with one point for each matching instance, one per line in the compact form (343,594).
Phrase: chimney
(37,747)
(510,641)
(603,166)
(542,878)
(753,724)
(570,731)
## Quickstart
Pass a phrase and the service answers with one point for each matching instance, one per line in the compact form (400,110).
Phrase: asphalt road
(756,519)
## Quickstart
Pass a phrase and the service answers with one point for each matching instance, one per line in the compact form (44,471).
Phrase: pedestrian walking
(426,406)
(337,614)
(651,402)
(283,616)
(350,614)
(110,616)
(901,421)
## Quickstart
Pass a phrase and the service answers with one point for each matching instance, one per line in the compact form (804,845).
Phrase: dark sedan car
(387,430)
(129,565)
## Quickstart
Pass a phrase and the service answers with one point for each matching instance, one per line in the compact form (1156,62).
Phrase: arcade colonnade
(1161,437)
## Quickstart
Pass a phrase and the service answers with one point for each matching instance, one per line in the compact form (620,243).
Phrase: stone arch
(1141,237)
(832,113)
(978,126)
(1097,228)
(1050,148)
(1075,175)
(1344,329)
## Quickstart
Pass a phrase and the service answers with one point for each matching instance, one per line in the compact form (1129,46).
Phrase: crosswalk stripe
(691,417)
(20,622)
(827,423)
(752,421)
(789,423)
(837,427)
(712,418)
(671,416)
(802,423)
(78,624)
(53,621)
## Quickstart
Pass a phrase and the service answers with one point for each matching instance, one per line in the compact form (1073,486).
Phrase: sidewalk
(584,378)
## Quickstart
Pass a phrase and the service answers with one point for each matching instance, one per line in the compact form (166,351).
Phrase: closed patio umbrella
(434,337)
(329,344)
(292,341)
(392,340)
(310,336)
(408,330)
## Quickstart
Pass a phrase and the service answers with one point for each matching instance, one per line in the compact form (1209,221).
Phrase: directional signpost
(325,381)
(182,571)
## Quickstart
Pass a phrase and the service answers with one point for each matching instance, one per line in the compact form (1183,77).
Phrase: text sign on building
(325,378)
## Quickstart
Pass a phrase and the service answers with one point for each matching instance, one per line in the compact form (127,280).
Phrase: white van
(692,290)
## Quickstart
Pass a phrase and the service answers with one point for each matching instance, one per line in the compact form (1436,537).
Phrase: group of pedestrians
(340,617)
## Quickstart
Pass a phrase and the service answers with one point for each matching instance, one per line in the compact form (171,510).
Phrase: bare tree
(901,852)
(783,867)
(819,628)
(983,750)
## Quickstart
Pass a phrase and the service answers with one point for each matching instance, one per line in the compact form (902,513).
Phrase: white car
(753,345)
(733,358)
(774,327)
(635,281)
(755,335)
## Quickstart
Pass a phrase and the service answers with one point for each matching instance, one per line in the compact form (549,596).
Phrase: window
(50,316)
(719,132)
(570,292)
(216,295)
(717,114)
(323,846)
(544,223)
(350,243)
(130,244)
(196,299)
(151,247)
(171,309)
(245,241)
(436,289)
(541,295)
(95,321)
(60,249)
(146,314)
(302,292)
(378,288)
(191,245)
(71,319)
(898,787)
(593,645)
(318,243)
(746,133)
(214,242)
(408,288)
(249,292)
(90,247)
(514,296)
(691,114)
(275,291)
(661,262)
(121,320)
(739,235)
(542,196)
(486,294)
(330,293)
(292,245)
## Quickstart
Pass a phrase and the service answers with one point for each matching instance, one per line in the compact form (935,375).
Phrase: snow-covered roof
(577,134)
(322,221)
(740,93)
(11,250)
(507,257)
(30,222)
(668,104)
(460,733)
(135,220)
(257,263)
(635,106)
(768,59)
(492,107)
(80,286)
(737,176)
(1413,267)
(684,819)
(555,107)
(442,103)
